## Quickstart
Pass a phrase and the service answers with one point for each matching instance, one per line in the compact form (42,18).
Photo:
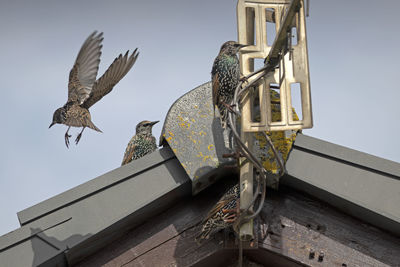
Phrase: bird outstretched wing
(84,72)
(130,150)
(114,73)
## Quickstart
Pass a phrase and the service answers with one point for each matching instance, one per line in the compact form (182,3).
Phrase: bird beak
(154,122)
(242,45)
(51,124)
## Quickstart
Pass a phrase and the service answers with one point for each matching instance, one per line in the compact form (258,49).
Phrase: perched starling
(225,76)
(83,88)
(142,143)
(222,215)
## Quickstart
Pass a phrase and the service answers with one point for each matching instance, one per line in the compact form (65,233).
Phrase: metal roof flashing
(94,186)
(360,184)
(95,212)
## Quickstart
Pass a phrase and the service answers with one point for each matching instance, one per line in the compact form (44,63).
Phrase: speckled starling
(142,143)
(222,215)
(83,88)
(225,76)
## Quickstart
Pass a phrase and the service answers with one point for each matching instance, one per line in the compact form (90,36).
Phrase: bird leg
(235,155)
(79,136)
(230,107)
(66,137)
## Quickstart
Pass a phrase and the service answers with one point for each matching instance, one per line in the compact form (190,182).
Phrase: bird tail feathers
(92,126)
(203,235)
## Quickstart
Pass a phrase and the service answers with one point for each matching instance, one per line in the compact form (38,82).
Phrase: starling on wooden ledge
(83,88)
(142,143)
(225,76)
(222,215)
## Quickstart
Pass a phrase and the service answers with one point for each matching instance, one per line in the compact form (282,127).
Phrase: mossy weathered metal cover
(196,137)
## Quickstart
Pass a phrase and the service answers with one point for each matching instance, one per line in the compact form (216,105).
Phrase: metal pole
(246,170)
(246,180)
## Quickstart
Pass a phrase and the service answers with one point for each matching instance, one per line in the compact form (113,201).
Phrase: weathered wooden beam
(294,230)
(312,232)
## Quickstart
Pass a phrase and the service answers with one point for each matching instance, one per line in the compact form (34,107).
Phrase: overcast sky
(353,55)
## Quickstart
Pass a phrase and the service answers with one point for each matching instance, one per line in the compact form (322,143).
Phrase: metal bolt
(321,256)
(312,254)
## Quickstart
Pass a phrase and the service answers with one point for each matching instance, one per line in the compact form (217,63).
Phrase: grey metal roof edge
(122,225)
(92,186)
(24,233)
(67,234)
(343,153)
(382,221)
(357,183)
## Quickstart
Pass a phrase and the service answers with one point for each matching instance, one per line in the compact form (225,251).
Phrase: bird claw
(78,138)
(66,137)
(230,107)
(236,155)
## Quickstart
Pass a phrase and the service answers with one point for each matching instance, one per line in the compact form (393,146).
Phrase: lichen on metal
(282,140)
(196,137)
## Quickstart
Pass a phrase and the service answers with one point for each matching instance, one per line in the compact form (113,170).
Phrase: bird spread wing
(84,72)
(130,150)
(116,71)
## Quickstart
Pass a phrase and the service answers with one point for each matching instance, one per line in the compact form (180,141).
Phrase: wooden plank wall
(293,230)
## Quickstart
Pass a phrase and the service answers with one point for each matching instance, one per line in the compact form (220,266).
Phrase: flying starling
(222,215)
(142,143)
(225,76)
(83,88)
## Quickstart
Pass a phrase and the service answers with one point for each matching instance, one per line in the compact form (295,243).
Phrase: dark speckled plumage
(225,76)
(83,88)
(222,215)
(142,143)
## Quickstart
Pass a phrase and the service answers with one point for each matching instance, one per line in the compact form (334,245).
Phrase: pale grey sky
(353,63)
